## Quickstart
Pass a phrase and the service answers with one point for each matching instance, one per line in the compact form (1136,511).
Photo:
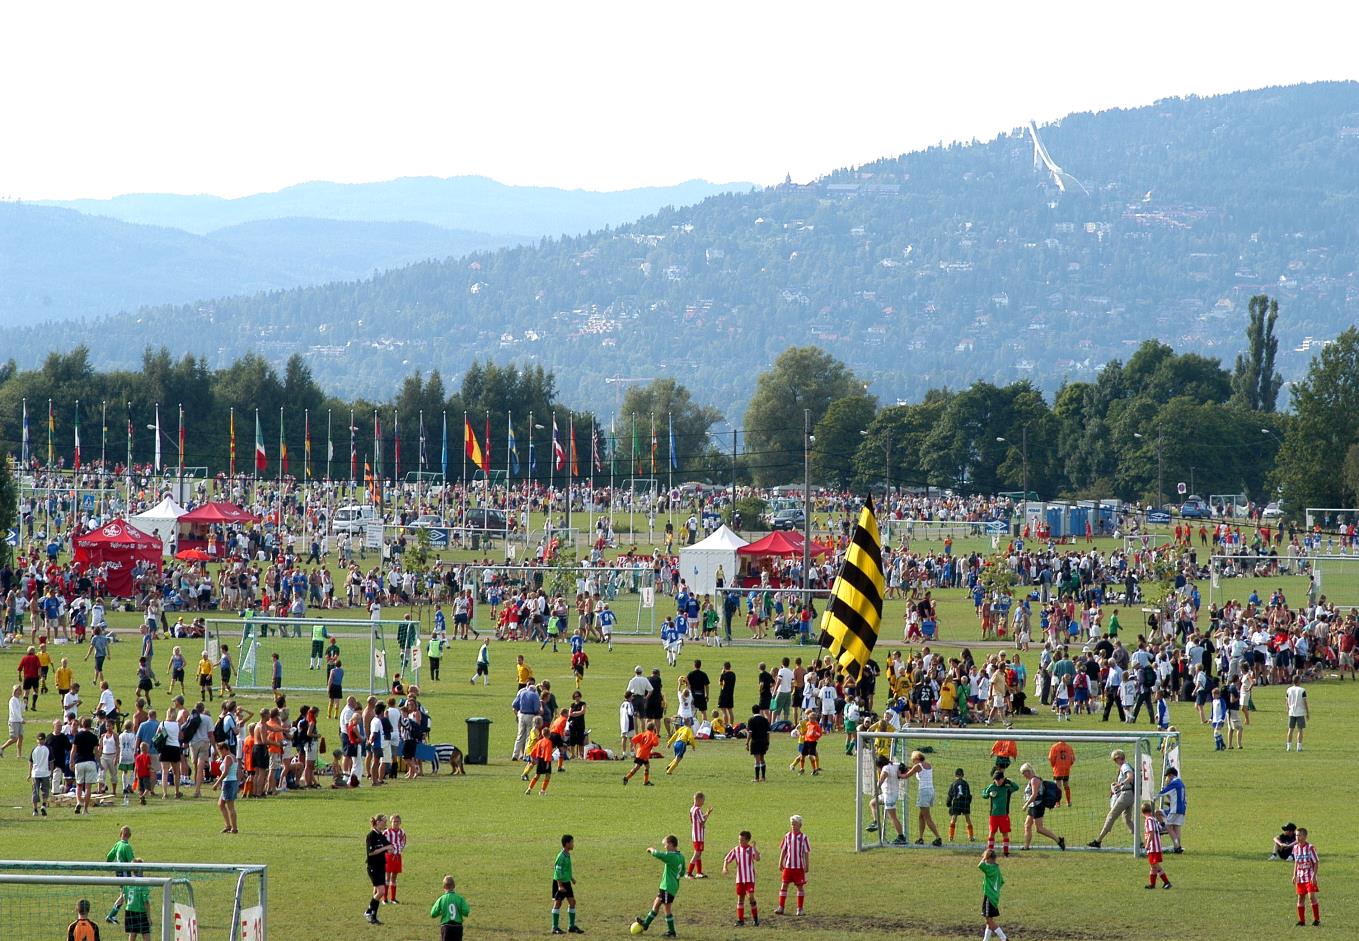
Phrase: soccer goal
(182,901)
(1079,816)
(371,653)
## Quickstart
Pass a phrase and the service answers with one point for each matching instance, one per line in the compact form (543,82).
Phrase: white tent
(698,564)
(161,521)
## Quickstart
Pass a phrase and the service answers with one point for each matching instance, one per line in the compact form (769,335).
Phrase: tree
(896,435)
(803,378)
(9,508)
(839,436)
(1323,427)
(1255,385)
(662,400)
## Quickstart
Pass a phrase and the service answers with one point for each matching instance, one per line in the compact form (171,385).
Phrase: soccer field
(500,844)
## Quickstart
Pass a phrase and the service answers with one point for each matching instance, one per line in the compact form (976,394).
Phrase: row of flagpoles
(477,451)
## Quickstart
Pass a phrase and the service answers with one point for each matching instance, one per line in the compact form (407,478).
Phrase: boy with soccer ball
(673,861)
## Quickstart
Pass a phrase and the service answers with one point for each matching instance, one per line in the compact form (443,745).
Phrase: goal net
(171,901)
(899,813)
(371,653)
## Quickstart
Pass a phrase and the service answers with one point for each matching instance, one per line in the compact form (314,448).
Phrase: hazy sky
(235,98)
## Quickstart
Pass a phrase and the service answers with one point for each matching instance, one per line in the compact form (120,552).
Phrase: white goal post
(1141,747)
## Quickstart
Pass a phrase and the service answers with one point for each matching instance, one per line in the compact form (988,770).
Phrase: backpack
(300,734)
(219,732)
(1052,794)
(159,740)
(191,727)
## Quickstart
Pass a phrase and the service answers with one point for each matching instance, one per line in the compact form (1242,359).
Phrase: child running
(563,881)
(698,824)
(745,856)
(673,862)
(1305,877)
(1152,828)
(397,838)
(451,910)
(795,856)
(681,741)
(644,742)
(992,880)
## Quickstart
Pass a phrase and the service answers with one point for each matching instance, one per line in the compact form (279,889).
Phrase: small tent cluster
(118,546)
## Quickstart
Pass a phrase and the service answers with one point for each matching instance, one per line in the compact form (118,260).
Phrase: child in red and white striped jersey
(397,838)
(745,856)
(698,825)
(1153,825)
(1305,877)
(795,853)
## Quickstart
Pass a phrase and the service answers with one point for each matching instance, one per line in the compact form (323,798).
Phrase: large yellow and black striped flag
(849,625)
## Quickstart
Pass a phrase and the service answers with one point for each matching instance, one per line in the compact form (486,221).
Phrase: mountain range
(83,258)
(995,260)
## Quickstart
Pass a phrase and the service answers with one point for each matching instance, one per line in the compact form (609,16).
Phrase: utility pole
(1160,472)
(733,473)
(806,501)
(1025,452)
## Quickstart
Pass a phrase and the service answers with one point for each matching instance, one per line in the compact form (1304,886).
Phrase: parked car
(1272,511)
(354,519)
(1196,508)
(486,518)
(790,519)
(428,521)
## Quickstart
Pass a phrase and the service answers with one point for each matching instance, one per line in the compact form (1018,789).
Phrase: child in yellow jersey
(45,662)
(681,741)
(800,732)
(205,677)
(948,699)
(535,733)
(64,677)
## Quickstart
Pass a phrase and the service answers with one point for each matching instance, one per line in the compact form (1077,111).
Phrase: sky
(105,98)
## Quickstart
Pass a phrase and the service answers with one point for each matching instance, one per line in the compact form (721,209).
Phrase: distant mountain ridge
(934,268)
(463,202)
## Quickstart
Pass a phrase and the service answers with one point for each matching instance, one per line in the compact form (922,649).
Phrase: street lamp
(1160,468)
(1024,458)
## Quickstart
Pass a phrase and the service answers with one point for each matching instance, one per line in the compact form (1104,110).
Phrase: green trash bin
(478,740)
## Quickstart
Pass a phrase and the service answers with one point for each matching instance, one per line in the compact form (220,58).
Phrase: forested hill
(933,268)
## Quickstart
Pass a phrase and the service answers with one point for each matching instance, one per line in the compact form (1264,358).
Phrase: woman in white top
(686,702)
(923,772)
(108,759)
(885,800)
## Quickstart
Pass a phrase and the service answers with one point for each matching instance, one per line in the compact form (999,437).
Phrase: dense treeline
(1134,431)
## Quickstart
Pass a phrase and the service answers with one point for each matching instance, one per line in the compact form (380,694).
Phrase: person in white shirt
(16,721)
(1298,714)
(783,690)
(41,773)
(107,703)
(70,703)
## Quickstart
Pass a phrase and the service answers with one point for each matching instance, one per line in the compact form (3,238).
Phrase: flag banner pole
(853,614)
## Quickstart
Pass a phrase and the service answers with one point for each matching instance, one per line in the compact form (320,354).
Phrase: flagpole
(443,469)
(572,472)
(613,453)
(509,479)
(551,471)
(420,463)
(129,457)
(632,487)
(75,467)
(180,486)
(466,426)
(330,445)
(670,497)
(590,504)
(528,487)
(103,443)
(255,477)
(306,472)
(282,443)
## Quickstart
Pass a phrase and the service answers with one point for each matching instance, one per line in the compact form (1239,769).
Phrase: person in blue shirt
(1175,806)
(577,643)
(606,619)
(440,622)
(681,625)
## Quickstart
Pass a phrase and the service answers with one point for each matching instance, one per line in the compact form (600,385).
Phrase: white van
(353,519)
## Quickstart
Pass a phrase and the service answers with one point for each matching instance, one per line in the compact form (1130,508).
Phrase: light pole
(1024,458)
(887,463)
(180,452)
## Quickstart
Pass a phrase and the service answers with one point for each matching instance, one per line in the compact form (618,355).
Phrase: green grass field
(500,844)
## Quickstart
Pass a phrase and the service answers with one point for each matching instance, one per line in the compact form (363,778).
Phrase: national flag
(558,455)
(443,451)
(595,459)
(330,444)
(77,436)
(129,437)
(282,446)
(471,447)
(514,449)
(674,455)
(370,481)
(232,422)
(571,431)
(306,443)
(377,445)
(849,626)
(261,459)
(422,439)
(157,430)
(23,453)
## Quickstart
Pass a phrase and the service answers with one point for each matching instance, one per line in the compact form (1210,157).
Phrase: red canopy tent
(780,543)
(118,546)
(219,512)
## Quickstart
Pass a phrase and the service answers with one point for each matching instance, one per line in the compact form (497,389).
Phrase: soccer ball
(636,927)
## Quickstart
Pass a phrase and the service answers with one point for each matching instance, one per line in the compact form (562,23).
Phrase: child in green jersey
(451,910)
(563,882)
(992,880)
(673,861)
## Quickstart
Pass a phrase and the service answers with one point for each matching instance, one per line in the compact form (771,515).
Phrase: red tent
(220,512)
(118,546)
(779,543)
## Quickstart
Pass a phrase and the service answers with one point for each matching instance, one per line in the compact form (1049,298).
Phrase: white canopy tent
(698,564)
(161,521)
